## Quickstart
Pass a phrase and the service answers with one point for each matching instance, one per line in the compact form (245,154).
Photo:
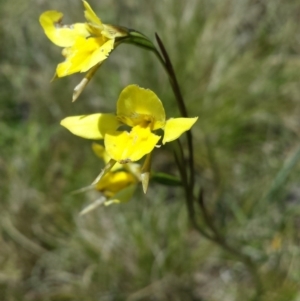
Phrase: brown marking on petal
(58,23)
(125,161)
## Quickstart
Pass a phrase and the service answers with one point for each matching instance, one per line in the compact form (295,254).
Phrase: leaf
(166,179)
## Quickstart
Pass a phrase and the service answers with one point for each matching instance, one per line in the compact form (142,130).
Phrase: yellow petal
(84,54)
(90,14)
(100,151)
(91,126)
(61,35)
(176,126)
(113,182)
(137,106)
(125,147)
(98,55)
(67,68)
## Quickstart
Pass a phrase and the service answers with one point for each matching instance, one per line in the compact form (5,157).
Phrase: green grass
(238,67)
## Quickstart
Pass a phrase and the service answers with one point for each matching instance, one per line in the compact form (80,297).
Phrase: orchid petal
(100,151)
(90,15)
(99,55)
(175,127)
(83,55)
(61,35)
(113,182)
(93,126)
(139,106)
(125,147)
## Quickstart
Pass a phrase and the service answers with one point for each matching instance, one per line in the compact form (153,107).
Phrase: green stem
(190,205)
(181,104)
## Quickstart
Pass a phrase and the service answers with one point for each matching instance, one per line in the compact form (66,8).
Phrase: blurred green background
(238,64)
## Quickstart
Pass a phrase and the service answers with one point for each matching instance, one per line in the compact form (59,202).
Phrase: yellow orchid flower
(117,185)
(131,133)
(86,45)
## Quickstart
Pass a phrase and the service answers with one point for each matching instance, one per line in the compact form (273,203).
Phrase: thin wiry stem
(181,105)
(190,208)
